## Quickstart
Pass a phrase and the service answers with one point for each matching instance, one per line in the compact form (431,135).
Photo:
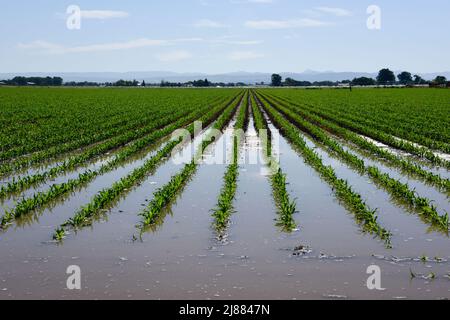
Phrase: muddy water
(182,259)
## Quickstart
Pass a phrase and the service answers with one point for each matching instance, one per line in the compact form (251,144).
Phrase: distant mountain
(241,76)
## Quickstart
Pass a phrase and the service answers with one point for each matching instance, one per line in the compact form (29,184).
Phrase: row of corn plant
(40,199)
(122,133)
(398,190)
(64,136)
(115,138)
(68,140)
(286,207)
(406,166)
(107,197)
(411,131)
(365,217)
(166,195)
(421,205)
(354,125)
(21,184)
(224,207)
(404,128)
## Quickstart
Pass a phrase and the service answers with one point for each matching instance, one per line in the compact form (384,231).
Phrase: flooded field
(141,220)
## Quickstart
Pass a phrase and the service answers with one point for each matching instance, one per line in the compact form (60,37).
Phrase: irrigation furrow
(95,150)
(13,152)
(412,132)
(397,189)
(224,208)
(94,145)
(421,152)
(21,184)
(41,199)
(365,216)
(167,194)
(65,141)
(286,206)
(40,157)
(106,197)
(406,166)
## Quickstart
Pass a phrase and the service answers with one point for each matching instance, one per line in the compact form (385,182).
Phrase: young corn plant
(224,207)
(286,206)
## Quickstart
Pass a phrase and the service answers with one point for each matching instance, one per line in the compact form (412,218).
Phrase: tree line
(36,81)
(57,81)
(385,77)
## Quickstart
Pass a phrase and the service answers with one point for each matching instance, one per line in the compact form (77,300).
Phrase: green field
(71,159)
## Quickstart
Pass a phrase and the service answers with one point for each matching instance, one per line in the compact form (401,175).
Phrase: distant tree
(289,82)
(38,81)
(143,83)
(201,83)
(440,80)
(276,80)
(363,81)
(126,83)
(419,80)
(405,77)
(81,84)
(324,83)
(385,76)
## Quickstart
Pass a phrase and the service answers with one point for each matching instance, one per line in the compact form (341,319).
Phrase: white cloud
(206,23)
(251,1)
(260,1)
(174,56)
(285,24)
(103,14)
(53,48)
(237,42)
(339,12)
(245,55)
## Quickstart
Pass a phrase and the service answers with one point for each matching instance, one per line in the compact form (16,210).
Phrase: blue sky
(217,36)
